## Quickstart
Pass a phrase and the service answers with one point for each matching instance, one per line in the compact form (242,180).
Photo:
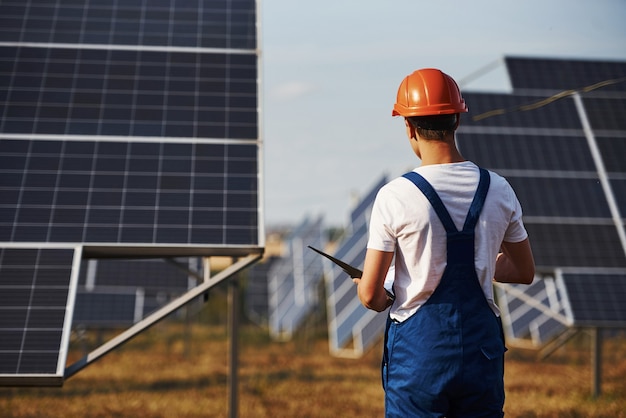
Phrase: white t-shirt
(404,222)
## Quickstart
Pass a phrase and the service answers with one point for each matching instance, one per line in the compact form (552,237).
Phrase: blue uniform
(447,359)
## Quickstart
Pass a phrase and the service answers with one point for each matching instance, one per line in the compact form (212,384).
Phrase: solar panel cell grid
(214,24)
(555,74)
(110,92)
(576,245)
(560,113)
(527,152)
(35,285)
(561,197)
(620,198)
(73,74)
(67,191)
(613,150)
(597,298)
(605,113)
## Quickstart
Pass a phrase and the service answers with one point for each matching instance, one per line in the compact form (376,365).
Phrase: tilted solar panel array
(559,139)
(537,313)
(352,329)
(128,129)
(136,131)
(293,280)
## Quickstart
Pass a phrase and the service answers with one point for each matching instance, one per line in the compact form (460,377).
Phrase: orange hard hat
(428,92)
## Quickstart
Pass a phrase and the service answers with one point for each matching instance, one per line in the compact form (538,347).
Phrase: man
(449,228)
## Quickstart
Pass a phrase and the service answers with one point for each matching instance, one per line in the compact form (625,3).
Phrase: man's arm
(370,287)
(515,264)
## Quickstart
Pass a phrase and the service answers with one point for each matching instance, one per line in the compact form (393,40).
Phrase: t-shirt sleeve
(516,232)
(381,236)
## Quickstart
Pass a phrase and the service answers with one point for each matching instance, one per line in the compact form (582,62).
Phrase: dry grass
(159,375)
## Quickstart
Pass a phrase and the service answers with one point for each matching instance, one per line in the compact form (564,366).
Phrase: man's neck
(439,152)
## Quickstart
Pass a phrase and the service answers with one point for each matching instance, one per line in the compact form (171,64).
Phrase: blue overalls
(447,360)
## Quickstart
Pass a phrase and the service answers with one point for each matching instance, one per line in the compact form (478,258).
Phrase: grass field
(161,373)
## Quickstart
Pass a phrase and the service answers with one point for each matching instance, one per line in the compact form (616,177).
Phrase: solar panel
(113,292)
(130,129)
(562,74)
(535,313)
(352,328)
(140,115)
(559,140)
(108,308)
(37,290)
(257,291)
(131,194)
(294,278)
(81,91)
(567,208)
(189,23)
(597,299)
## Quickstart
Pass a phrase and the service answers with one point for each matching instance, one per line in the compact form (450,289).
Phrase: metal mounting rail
(160,314)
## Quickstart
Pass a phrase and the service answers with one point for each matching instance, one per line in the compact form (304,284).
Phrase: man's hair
(434,127)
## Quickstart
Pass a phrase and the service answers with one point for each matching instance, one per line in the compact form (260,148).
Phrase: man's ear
(458,121)
(410,129)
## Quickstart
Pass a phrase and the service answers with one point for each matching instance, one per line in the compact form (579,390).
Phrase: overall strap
(439,207)
(434,200)
(479,200)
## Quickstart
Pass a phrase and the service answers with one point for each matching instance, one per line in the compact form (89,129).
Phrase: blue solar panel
(130,123)
(597,299)
(570,194)
(37,290)
(534,314)
(114,292)
(129,129)
(563,74)
(352,328)
(107,308)
(257,291)
(129,193)
(62,91)
(559,140)
(294,278)
(189,23)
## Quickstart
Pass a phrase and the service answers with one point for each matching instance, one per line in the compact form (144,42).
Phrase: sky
(330,71)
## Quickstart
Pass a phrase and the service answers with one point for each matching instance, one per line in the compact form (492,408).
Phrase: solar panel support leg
(233,358)
(596,362)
